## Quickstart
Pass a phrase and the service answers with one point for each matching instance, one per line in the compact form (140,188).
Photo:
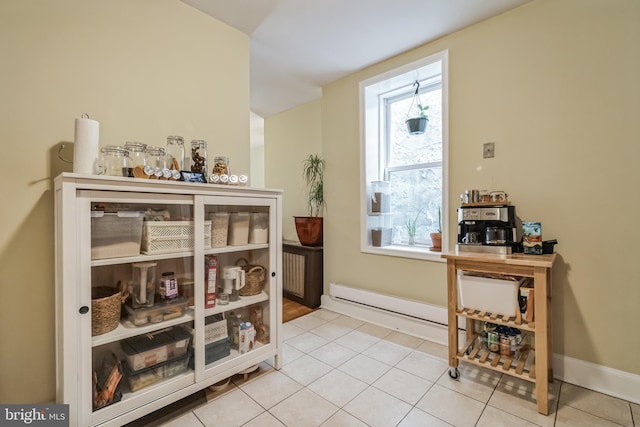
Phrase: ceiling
(297,46)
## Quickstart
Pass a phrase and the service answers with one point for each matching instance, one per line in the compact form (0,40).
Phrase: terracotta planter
(436,242)
(309,229)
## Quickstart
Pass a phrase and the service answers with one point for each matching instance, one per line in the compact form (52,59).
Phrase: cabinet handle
(84,309)
(273,274)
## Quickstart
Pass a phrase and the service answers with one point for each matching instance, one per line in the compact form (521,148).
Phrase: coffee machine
(488,229)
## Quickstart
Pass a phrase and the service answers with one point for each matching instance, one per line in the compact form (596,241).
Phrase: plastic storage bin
(146,377)
(115,234)
(239,228)
(144,351)
(381,229)
(219,229)
(488,294)
(160,312)
(380,197)
(159,237)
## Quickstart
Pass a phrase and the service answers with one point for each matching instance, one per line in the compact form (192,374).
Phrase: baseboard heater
(415,309)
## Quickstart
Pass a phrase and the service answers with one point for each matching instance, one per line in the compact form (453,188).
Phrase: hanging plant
(417,118)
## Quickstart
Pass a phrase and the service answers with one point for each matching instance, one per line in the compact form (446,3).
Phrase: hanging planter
(417,119)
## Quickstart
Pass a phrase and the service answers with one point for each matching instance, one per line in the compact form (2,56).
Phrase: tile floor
(339,371)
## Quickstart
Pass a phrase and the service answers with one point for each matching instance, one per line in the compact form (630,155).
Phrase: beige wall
(555,85)
(289,138)
(144,69)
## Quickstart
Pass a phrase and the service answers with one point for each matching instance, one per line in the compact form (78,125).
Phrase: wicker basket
(106,304)
(254,278)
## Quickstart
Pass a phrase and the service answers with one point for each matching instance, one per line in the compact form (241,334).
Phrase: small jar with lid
(175,153)
(199,156)
(114,161)
(220,165)
(156,162)
(137,153)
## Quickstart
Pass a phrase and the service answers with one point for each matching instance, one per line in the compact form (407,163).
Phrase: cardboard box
(247,337)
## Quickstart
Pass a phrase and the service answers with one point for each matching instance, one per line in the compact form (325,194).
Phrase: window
(413,167)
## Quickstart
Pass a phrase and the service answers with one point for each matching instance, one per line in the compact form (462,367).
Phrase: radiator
(293,278)
(302,273)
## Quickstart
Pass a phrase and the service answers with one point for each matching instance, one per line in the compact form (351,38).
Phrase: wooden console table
(540,370)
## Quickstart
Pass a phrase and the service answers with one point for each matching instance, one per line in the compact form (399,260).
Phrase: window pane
(415,193)
(405,149)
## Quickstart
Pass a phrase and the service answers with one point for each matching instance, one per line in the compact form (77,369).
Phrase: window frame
(373,151)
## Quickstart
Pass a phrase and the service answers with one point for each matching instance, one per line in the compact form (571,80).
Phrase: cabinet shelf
(231,249)
(126,329)
(140,258)
(233,305)
(501,319)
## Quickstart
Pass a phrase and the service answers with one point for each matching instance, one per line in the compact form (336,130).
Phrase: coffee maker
(488,229)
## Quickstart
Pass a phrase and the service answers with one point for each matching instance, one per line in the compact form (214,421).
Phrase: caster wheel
(454,373)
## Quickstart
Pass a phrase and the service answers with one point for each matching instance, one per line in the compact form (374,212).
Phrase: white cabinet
(98,251)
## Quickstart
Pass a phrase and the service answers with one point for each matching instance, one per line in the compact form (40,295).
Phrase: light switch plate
(488,150)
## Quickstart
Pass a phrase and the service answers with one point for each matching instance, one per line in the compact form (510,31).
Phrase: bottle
(199,156)
(175,153)
(235,334)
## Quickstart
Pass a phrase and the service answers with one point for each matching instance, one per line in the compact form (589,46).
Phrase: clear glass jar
(199,156)
(137,153)
(114,161)
(156,162)
(175,152)
(220,165)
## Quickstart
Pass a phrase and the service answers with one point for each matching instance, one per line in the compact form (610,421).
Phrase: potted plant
(416,116)
(309,228)
(436,238)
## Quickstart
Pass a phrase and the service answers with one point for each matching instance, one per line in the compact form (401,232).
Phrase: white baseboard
(428,322)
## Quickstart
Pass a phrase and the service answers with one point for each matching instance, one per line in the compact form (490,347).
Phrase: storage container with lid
(115,234)
(219,229)
(114,161)
(259,228)
(220,165)
(175,152)
(144,351)
(137,153)
(238,229)
(199,156)
(156,162)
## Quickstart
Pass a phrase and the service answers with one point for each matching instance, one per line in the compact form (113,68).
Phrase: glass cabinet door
(236,276)
(136,289)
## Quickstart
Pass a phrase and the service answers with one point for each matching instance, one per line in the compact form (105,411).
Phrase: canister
(259,228)
(239,228)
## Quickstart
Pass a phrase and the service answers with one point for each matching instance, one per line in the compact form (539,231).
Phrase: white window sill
(405,251)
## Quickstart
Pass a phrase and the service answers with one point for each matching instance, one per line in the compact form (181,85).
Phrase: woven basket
(106,304)
(254,278)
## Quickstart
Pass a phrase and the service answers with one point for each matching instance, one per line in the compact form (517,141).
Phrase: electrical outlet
(488,150)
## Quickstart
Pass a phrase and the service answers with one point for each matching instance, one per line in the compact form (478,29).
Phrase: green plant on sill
(412,227)
(439,221)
